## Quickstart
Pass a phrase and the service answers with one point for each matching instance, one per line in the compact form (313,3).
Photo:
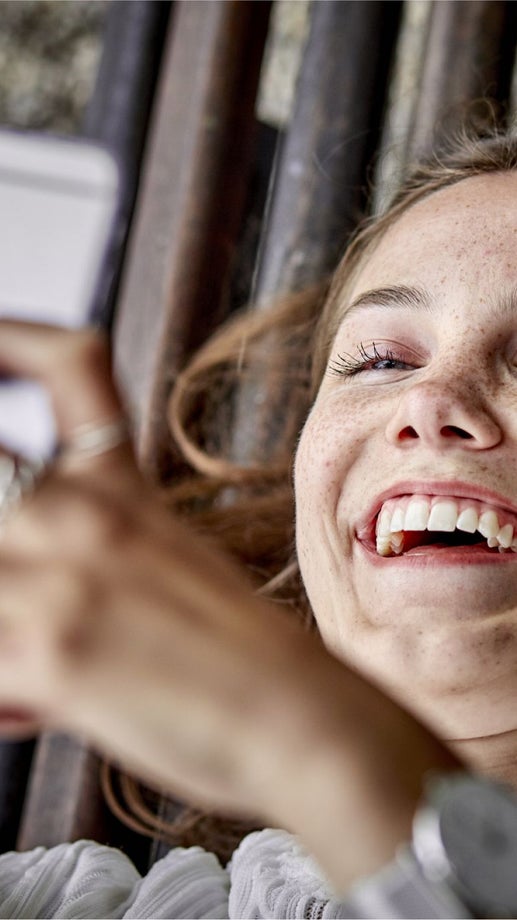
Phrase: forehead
(465,234)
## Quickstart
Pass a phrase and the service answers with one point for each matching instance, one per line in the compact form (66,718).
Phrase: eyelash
(347,365)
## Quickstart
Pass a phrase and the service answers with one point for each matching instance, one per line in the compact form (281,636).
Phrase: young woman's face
(406,472)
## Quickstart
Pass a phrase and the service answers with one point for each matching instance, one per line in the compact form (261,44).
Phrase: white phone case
(57,203)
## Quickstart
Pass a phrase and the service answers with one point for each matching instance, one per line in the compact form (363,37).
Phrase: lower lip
(12,717)
(440,556)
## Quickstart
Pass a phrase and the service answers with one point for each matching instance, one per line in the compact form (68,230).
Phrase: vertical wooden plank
(190,207)
(402,95)
(319,190)
(322,171)
(118,114)
(469,55)
(63,799)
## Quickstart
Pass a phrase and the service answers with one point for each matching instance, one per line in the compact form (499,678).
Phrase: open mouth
(422,524)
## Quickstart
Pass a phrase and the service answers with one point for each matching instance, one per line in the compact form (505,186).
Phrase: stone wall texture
(49,51)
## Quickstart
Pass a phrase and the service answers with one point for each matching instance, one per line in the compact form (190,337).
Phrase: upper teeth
(420,512)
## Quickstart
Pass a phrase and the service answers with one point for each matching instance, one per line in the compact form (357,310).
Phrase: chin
(453,665)
(421,593)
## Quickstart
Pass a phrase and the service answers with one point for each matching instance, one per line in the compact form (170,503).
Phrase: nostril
(451,431)
(408,433)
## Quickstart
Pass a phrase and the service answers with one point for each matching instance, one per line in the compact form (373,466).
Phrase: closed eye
(370,358)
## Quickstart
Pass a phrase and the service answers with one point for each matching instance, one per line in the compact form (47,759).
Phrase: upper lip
(452,488)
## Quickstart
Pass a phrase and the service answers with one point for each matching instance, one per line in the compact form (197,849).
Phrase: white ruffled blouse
(269,876)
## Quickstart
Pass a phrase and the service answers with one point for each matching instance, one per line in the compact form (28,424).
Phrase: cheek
(315,469)
(330,443)
(326,452)
(313,491)
(316,484)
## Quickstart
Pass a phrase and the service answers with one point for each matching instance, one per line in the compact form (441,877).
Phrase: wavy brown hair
(265,366)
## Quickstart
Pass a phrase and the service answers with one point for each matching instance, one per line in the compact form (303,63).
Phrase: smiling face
(406,471)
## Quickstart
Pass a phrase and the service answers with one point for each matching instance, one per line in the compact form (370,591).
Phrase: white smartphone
(57,204)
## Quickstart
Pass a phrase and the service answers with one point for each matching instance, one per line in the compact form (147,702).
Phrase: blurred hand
(120,623)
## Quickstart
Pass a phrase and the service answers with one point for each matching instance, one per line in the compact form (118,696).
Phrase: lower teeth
(393,545)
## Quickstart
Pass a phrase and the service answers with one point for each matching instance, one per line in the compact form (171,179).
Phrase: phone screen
(57,204)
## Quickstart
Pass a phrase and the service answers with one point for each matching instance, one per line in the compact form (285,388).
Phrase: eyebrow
(417,298)
(504,305)
(397,296)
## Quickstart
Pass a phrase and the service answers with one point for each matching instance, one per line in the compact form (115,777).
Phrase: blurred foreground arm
(119,623)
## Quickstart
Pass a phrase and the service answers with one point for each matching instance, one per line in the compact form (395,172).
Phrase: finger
(38,637)
(73,365)
(75,368)
(68,517)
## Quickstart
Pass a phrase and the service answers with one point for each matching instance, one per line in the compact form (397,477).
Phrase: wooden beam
(321,178)
(63,800)
(190,207)
(469,55)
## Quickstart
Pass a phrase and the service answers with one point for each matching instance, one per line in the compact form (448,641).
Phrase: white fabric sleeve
(87,880)
(187,883)
(79,879)
(273,876)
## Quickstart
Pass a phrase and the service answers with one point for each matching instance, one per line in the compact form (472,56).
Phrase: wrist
(350,767)
(349,827)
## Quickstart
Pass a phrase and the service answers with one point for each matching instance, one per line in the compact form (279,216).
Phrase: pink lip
(365,529)
(15,714)
(17,722)
(437,557)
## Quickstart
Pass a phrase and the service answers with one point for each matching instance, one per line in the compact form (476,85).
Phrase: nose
(443,417)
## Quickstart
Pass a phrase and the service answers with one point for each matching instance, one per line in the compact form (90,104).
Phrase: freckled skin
(441,639)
